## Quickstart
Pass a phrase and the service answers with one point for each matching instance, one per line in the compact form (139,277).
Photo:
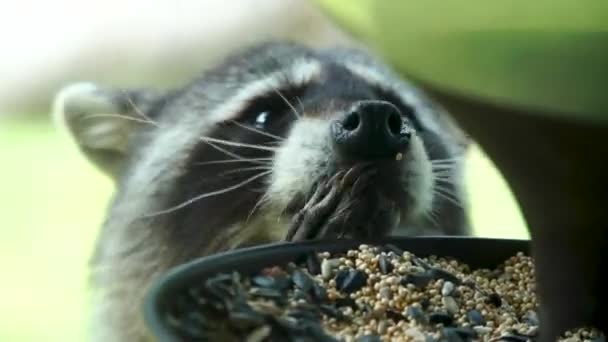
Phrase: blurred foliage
(549,53)
(51,206)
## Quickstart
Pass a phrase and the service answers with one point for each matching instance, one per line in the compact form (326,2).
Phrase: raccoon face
(236,153)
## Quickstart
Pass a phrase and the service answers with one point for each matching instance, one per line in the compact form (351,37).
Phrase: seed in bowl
(373,293)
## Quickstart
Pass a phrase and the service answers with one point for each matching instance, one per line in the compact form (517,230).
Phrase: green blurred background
(549,53)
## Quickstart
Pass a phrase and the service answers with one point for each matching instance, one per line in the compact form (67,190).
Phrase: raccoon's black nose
(371,129)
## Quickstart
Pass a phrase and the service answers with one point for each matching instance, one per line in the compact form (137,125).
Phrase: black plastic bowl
(476,252)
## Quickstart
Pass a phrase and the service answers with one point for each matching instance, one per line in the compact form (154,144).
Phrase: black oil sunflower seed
(449,335)
(340,277)
(245,320)
(313,264)
(425,302)
(345,302)
(421,263)
(319,292)
(304,314)
(394,315)
(437,273)
(441,318)
(332,311)
(302,280)
(420,280)
(300,295)
(392,248)
(353,282)
(509,337)
(263,281)
(265,292)
(466,334)
(494,299)
(384,264)
(475,317)
(416,315)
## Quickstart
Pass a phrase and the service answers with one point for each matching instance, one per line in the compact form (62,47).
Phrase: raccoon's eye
(260,120)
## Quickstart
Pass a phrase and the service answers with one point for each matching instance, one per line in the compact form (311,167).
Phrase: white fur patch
(299,161)
(421,181)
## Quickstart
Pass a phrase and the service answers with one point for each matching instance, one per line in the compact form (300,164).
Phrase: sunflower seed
(384,264)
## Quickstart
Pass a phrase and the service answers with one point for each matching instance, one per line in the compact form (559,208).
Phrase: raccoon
(278,142)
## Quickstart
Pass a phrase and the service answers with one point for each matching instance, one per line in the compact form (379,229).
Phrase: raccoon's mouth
(355,203)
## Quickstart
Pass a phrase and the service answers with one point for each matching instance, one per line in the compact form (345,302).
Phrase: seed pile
(368,294)
(583,334)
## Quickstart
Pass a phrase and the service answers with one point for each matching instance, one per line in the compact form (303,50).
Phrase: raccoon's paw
(307,223)
(327,211)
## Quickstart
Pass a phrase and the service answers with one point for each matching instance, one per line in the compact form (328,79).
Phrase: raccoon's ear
(100,120)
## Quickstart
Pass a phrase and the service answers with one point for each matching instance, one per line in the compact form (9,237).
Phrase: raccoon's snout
(371,130)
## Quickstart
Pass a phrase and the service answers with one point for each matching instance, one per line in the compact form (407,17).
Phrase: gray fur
(151,156)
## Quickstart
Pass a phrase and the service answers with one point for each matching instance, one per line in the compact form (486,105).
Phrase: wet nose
(371,129)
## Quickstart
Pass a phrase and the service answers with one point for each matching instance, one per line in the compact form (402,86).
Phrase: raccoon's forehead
(222,92)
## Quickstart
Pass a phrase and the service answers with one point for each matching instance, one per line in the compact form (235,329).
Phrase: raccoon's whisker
(121,116)
(431,215)
(135,108)
(253,168)
(208,194)
(444,167)
(444,193)
(449,172)
(231,154)
(451,159)
(444,175)
(446,160)
(264,198)
(444,172)
(447,191)
(449,199)
(227,161)
(444,164)
(257,130)
(446,181)
(293,109)
(301,105)
(237,144)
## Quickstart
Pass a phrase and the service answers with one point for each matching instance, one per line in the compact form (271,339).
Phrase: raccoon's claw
(308,221)
(352,175)
(321,215)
